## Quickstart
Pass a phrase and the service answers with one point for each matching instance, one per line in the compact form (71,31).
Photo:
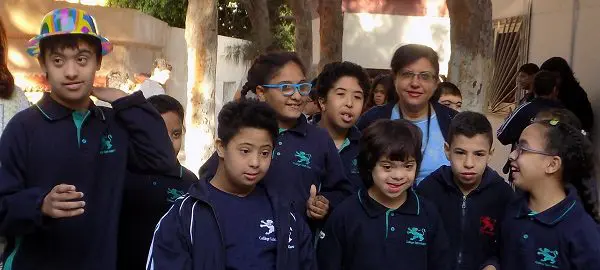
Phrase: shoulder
(374,114)
(443,110)
(348,208)
(188,175)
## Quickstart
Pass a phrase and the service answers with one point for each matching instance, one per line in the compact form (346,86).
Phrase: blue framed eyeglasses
(288,89)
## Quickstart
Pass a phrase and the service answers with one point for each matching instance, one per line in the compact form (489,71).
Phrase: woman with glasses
(306,165)
(415,70)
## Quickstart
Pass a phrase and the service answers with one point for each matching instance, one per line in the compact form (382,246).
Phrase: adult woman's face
(416,83)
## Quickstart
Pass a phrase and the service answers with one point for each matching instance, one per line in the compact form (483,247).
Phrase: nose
(469,161)
(296,96)
(70,70)
(349,102)
(254,161)
(513,155)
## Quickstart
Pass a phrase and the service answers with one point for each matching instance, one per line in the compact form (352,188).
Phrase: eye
(245,151)
(409,166)
(266,153)
(58,61)
(480,154)
(458,152)
(386,167)
(176,135)
(82,60)
(358,97)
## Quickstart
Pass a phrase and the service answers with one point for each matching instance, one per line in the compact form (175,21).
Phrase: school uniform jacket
(472,221)
(362,234)
(443,113)
(49,144)
(510,131)
(189,236)
(562,237)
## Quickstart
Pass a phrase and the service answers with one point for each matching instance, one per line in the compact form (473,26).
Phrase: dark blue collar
(487,179)
(412,205)
(53,110)
(301,127)
(353,134)
(554,214)
(176,172)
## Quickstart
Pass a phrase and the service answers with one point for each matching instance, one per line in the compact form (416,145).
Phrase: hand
(108,94)
(62,201)
(317,206)
(489,267)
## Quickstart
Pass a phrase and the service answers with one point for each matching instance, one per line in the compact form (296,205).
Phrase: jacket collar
(447,178)
(54,111)
(554,214)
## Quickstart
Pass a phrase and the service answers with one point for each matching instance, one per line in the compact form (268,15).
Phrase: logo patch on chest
(547,257)
(416,236)
(303,159)
(270,226)
(106,146)
(173,194)
(488,226)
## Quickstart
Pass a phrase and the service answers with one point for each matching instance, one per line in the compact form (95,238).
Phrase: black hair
(561,66)
(396,139)
(411,53)
(246,113)
(56,43)
(445,88)
(332,72)
(7,81)
(470,124)
(165,104)
(529,69)
(162,64)
(560,114)
(265,66)
(544,83)
(387,82)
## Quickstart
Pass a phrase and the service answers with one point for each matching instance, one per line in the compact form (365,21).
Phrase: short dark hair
(411,53)
(470,124)
(265,66)
(529,69)
(332,72)
(544,83)
(246,113)
(60,42)
(446,88)
(396,139)
(165,104)
(162,64)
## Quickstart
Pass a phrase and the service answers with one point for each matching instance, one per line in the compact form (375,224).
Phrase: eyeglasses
(288,89)
(425,76)
(520,149)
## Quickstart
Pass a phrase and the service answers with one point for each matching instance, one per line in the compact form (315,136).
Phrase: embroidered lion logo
(488,225)
(548,255)
(303,157)
(416,234)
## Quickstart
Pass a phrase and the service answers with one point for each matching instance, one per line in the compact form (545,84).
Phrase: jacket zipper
(462,229)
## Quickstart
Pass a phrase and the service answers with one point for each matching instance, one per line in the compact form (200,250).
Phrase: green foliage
(284,28)
(170,11)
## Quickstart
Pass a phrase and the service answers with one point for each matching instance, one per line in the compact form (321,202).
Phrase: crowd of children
(375,179)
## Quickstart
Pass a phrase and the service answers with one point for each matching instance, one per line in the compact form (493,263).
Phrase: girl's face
(530,162)
(288,109)
(392,178)
(344,103)
(416,83)
(379,95)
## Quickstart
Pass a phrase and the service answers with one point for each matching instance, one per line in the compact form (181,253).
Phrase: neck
(410,112)
(546,195)
(337,134)
(287,123)
(223,182)
(467,189)
(391,203)
(80,106)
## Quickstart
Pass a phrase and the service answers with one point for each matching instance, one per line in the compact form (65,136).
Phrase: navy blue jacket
(49,144)
(472,222)
(348,153)
(444,116)
(145,200)
(562,237)
(189,236)
(363,234)
(303,155)
(510,131)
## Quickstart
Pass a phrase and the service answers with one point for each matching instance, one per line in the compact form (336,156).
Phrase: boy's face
(468,158)
(70,73)
(379,95)
(175,129)
(344,103)
(451,101)
(392,178)
(246,157)
(524,80)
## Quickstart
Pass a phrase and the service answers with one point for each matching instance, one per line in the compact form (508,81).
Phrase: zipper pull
(464,202)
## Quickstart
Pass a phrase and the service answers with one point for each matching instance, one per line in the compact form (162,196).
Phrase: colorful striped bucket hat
(66,21)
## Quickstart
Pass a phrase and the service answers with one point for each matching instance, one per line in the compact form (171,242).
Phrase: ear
(220,148)
(492,149)
(554,165)
(447,150)
(260,92)
(322,103)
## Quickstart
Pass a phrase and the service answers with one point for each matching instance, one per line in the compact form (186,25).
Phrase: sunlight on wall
(22,21)
(369,22)
(17,58)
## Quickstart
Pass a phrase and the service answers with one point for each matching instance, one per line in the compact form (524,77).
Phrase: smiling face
(344,103)
(70,73)
(246,159)
(415,91)
(468,158)
(391,179)
(288,109)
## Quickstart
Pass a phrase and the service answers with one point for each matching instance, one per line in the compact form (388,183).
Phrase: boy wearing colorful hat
(64,160)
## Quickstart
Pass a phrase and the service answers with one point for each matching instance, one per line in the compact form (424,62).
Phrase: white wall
(228,70)
(371,39)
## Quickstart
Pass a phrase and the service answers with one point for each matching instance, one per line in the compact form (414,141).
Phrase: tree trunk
(201,39)
(471,36)
(303,34)
(258,13)
(331,31)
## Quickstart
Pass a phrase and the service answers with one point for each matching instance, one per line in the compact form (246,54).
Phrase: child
(470,197)
(304,154)
(64,160)
(342,88)
(525,81)
(382,92)
(448,95)
(147,197)
(232,221)
(387,226)
(312,111)
(547,227)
